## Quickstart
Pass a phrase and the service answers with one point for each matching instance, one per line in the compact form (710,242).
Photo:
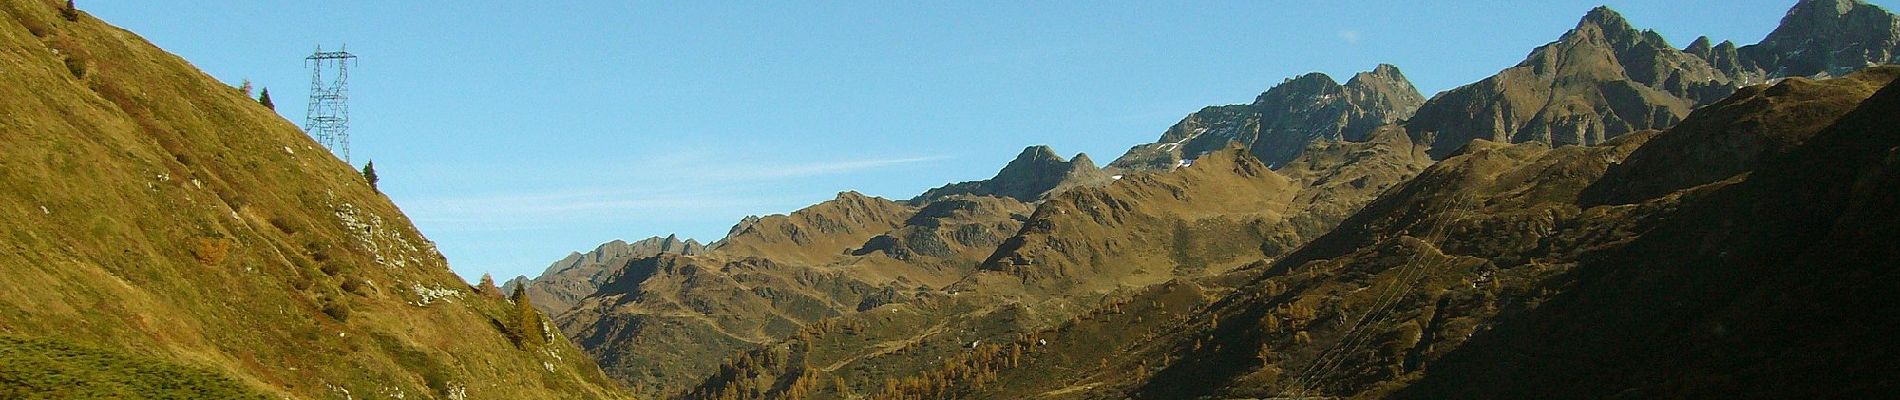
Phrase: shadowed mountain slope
(1488,276)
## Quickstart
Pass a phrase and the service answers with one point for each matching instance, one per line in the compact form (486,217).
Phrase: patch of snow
(1115,177)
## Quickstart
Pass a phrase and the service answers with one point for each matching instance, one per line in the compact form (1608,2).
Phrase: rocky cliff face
(1605,78)
(1281,122)
(1036,172)
(1600,80)
(1826,37)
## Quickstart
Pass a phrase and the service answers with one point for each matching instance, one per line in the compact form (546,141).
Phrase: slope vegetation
(166,232)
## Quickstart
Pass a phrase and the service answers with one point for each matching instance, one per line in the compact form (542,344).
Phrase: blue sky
(513,133)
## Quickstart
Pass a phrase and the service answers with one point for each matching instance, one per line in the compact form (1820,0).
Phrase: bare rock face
(1826,37)
(1036,172)
(1599,81)
(1605,78)
(1280,123)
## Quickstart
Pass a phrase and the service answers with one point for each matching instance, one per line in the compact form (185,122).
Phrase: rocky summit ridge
(1604,78)
(1282,121)
(1034,173)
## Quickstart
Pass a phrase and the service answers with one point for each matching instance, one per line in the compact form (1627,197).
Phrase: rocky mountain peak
(1035,172)
(1036,155)
(1384,75)
(1822,10)
(1308,84)
(1281,122)
(1606,19)
(1700,47)
(1830,37)
(1081,161)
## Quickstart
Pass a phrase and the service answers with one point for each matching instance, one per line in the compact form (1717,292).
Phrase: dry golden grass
(154,211)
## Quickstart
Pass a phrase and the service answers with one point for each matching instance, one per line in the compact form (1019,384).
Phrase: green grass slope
(158,217)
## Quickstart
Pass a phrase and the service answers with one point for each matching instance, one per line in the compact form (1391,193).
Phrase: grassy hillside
(160,220)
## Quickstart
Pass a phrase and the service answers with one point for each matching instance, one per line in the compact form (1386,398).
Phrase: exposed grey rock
(1281,122)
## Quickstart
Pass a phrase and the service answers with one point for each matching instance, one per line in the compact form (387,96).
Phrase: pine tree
(264,98)
(244,87)
(70,13)
(369,173)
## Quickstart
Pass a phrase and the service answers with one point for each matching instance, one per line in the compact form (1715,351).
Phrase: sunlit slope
(154,214)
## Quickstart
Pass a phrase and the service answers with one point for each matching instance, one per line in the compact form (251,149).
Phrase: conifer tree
(369,174)
(264,98)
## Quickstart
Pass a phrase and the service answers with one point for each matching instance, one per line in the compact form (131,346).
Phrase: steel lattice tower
(328,117)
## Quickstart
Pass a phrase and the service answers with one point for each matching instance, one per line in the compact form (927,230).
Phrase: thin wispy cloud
(679,184)
(814,169)
(1350,36)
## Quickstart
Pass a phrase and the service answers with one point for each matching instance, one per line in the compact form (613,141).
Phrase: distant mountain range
(1331,239)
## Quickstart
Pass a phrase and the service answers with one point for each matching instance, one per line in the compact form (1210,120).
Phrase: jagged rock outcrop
(1598,81)
(579,274)
(1281,122)
(1035,173)
(1827,38)
(1605,78)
